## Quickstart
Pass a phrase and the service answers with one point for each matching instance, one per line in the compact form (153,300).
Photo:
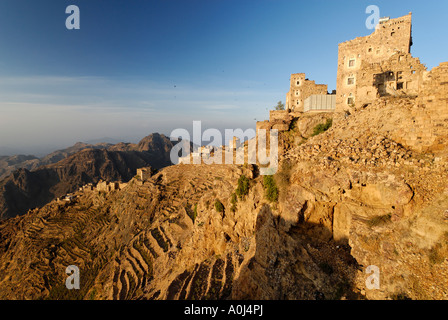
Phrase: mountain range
(28,182)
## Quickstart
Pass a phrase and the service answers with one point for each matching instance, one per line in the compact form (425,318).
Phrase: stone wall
(389,38)
(400,75)
(106,186)
(279,115)
(430,116)
(300,89)
(144,173)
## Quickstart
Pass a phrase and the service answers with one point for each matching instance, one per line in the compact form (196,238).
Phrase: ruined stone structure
(278,120)
(401,76)
(357,61)
(144,173)
(106,186)
(430,114)
(300,89)
(378,70)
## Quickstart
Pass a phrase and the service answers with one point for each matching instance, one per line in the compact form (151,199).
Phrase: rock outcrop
(347,199)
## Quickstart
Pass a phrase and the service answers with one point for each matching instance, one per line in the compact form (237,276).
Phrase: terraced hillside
(339,203)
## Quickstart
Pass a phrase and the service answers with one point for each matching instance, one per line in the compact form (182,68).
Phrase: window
(350,101)
(392,34)
(400,75)
(298,82)
(400,86)
(297,93)
(390,76)
(370,49)
(351,81)
(351,62)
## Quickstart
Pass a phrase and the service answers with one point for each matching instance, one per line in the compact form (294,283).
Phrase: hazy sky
(137,67)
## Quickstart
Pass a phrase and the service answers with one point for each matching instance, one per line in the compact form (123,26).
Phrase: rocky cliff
(341,201)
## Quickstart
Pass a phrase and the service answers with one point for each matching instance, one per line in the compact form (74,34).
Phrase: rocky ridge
(26,189)
(347,199)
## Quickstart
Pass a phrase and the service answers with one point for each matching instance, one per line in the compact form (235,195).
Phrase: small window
(392,34)
(351,63)
(413,71)
(400,75)
(298,82)
(297,92)
(370,49)
(400,86)
(350,100)
(351,81)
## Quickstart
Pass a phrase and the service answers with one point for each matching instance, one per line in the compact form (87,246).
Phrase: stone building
(300,89)
(392,37)
(144,173)
(430,114)
(401,76)
(106,186)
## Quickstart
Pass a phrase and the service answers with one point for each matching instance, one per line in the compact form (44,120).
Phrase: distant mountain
(9,164)
(9,151)
(25,189)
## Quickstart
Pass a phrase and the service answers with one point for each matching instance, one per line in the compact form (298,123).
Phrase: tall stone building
(300,89)
(392,37)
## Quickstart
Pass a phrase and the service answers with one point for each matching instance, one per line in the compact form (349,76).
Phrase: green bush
(192,213)
(279,106)
(233,201)
(320,128)
(270,188)
(219,206)
(243,187)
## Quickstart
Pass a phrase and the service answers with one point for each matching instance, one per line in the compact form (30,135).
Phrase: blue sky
(137,67)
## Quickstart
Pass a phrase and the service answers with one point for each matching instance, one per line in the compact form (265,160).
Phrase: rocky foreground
(348,198)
